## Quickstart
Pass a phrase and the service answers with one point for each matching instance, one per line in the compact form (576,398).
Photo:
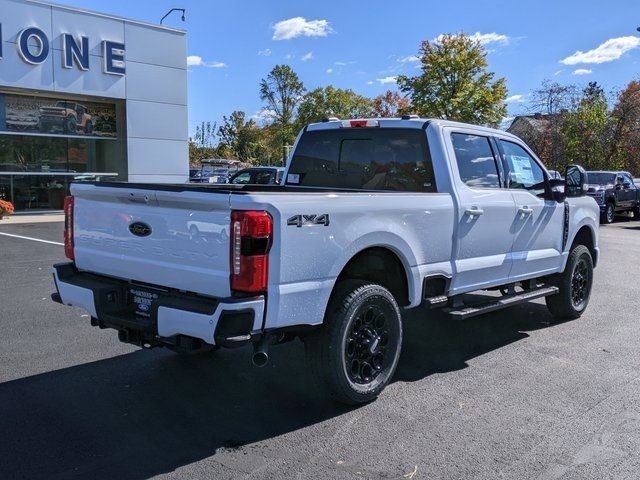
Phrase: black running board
(500,303)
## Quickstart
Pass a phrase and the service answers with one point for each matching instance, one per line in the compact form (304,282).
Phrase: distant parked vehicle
(65,116)
(258,176)
(214,171)
(615,192)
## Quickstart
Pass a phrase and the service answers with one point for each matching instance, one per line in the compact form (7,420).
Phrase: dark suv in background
(615,193)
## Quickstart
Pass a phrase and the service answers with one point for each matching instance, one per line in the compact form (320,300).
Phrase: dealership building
(86,96)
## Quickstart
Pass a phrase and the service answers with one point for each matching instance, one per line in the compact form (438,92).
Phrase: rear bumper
(226,322)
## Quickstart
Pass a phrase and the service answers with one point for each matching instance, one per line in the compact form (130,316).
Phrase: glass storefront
(39,158)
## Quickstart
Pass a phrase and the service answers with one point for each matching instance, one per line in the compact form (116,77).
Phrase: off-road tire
(361,334)
(569,303)
(70,125)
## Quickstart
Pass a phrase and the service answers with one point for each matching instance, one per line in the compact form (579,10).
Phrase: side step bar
(503,302)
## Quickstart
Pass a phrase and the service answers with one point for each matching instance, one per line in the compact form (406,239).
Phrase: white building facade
(87,96)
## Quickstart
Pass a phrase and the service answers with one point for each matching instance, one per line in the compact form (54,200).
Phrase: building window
(46,143)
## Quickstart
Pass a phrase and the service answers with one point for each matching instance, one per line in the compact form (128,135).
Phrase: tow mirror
(575,181)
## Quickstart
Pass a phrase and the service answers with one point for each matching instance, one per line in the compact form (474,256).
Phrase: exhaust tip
(260,359)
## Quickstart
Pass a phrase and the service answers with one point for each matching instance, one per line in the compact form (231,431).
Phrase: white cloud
(608,51)
(329,70)
(515,99)
(300,26)
(288,56)
(265,53)
(493,37)
(370,82)
(307,56)
(197,61)
(483,38)
(387,80)
(409,59)
(344,64)
(582,71)
(264,114)
(557,72)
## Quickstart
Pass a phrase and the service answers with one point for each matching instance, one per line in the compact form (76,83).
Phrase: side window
(627,178)
(523,171)
(262,177)
(476,163)
(243,178)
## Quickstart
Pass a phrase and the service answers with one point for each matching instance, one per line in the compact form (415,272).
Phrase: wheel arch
(383,265)
(586,236)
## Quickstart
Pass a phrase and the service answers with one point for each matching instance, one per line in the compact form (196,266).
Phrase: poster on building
(51,116)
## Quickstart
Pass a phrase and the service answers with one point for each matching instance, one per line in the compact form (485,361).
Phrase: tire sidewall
(610,209)
(369,294)
(581,254)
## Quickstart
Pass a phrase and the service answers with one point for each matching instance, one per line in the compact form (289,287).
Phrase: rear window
(366,159)
(601,178)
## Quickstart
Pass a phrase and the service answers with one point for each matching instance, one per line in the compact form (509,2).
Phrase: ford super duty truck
(373,217)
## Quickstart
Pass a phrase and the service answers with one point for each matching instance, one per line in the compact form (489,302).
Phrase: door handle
(473,212)
(524,210)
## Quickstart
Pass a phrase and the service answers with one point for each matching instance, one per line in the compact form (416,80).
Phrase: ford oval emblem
(140,229)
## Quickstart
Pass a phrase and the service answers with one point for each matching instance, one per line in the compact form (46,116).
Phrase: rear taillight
(251,238)
(68,227)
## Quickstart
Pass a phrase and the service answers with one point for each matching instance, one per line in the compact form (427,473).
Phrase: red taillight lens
(68,227)
(251,236)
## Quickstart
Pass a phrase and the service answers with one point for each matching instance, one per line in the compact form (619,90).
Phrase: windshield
(366,158)
(601,178)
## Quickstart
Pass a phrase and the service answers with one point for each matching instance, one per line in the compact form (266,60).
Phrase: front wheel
(574,284)
(356,351)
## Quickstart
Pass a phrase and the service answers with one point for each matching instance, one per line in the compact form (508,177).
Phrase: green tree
(282,91)
(455,83)
(205,135)
(587,131)
(324,102)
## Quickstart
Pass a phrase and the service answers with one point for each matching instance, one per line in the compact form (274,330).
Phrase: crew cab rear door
(538,222)
(482,244)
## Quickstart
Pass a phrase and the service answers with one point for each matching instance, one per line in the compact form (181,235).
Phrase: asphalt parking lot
(505,395)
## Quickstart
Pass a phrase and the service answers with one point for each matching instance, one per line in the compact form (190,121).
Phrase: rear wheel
(355,353)
(609,213)
(574,285)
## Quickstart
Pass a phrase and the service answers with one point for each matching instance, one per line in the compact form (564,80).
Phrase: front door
(537,223)
(482,246)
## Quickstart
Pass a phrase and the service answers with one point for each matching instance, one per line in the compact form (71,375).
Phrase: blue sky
(362,45)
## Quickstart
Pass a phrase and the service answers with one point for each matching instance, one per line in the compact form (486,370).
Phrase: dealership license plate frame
(143,299)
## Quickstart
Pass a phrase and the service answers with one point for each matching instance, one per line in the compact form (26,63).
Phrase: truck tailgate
(185,247)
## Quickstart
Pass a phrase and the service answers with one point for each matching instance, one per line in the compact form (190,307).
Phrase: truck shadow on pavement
(150,412)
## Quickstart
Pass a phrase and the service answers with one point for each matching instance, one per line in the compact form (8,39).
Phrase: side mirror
(557,189)
(626,184)
(575,181)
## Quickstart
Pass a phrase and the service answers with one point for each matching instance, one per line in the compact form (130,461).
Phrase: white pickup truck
(374,216)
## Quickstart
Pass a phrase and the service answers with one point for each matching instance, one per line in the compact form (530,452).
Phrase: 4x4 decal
(308,220)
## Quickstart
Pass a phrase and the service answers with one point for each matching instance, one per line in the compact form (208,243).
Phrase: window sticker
(293,178)
(521,170)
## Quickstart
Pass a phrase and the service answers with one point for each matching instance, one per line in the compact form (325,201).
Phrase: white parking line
(31,238)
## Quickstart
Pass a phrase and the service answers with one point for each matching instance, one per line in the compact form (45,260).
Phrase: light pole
(183,18)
